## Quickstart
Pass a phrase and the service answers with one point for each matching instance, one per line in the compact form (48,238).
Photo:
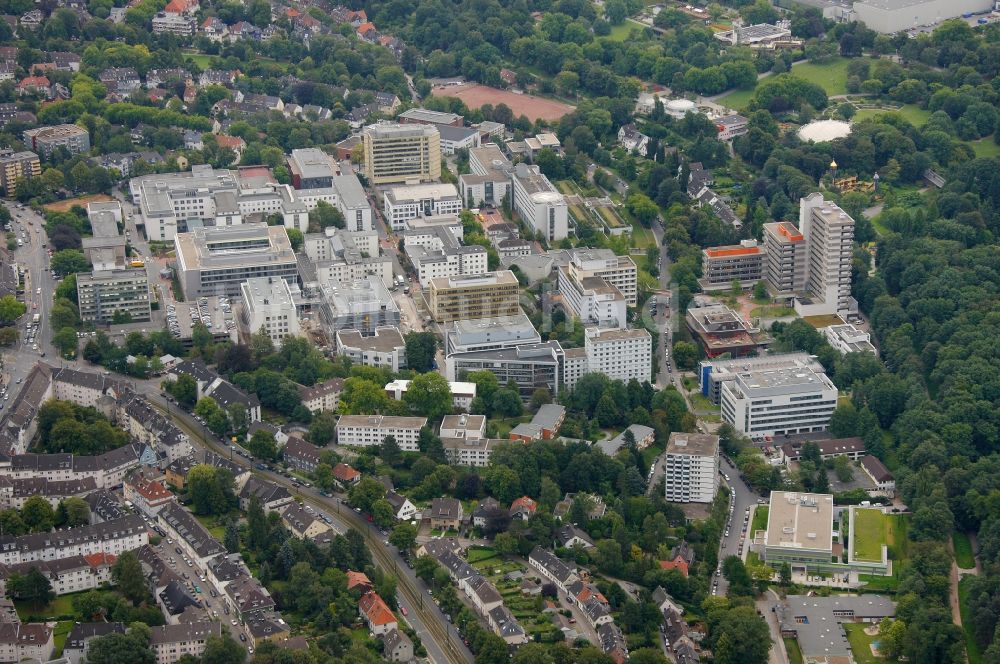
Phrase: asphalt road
(440,638)
(33,259)
(744,498)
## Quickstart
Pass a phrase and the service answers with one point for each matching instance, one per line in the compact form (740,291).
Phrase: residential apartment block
(45,140)
(322,396)
(103,293)
(401,203)
(386,348)
(486,295)
(109,537)
(400,153)
(171,642)
(216,261)
(368,430)
(17,165)
(692,467)
(763,404)
(592,300)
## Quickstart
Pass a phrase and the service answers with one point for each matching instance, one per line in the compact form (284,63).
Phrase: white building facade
(762,404)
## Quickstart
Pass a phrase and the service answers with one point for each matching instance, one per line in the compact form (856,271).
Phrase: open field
(199,59)
(64,206)
(533,107)
(963,551)
(912,113)
(737,99)
(60,606)
(831,76)
(622,32)
(985,147)
(870,532)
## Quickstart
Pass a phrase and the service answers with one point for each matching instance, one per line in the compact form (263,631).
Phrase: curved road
(442,640)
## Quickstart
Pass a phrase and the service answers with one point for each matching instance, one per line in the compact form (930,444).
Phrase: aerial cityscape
(453,332)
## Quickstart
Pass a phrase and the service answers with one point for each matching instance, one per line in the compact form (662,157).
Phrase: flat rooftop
(385,340)
(432,117)
(502,329)
(772,381)
(229,247)
(352,194)
(313,163)
(800,521)
(391,130)
(498,278)
(784,232)
(599,335)
(534,183)
(270,291)
(417,192)
(693,444)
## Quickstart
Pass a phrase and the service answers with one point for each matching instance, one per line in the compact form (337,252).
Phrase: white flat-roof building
(539,203)
(338,255)
(352,201)
(847,338)
(454,139)
(363,305)
(462,393)
(619,271)
(692,461)
(435,252)
(713,373)
(368,430)
(311,168)
(890,16)
(778,401)
(423,200)
(829,235)
(267,305)
(489,182)
(463,336)
(799,530)
(386,348)
(216,261)
(619,354)
(592,299)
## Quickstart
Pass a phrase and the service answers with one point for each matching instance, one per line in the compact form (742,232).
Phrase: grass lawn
(643,236)
(870,532)
(59,635)
(971,647)
(700,402)
(861,644)
(985,147)
(211,523)
(199,59)
(831,76)
(649,455)
(759,519)
(963,551)
(478,553)
(794,652)
(737,99)
(912,113)
(622,32)
(771,311)
(60,606)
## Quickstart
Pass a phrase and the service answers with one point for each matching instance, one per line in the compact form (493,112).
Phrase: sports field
(871,531)
(531,106)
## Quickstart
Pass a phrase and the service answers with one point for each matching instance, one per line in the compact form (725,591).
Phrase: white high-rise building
(539,203)
(764,404)
(692,463)
(619,354)
(829,233)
